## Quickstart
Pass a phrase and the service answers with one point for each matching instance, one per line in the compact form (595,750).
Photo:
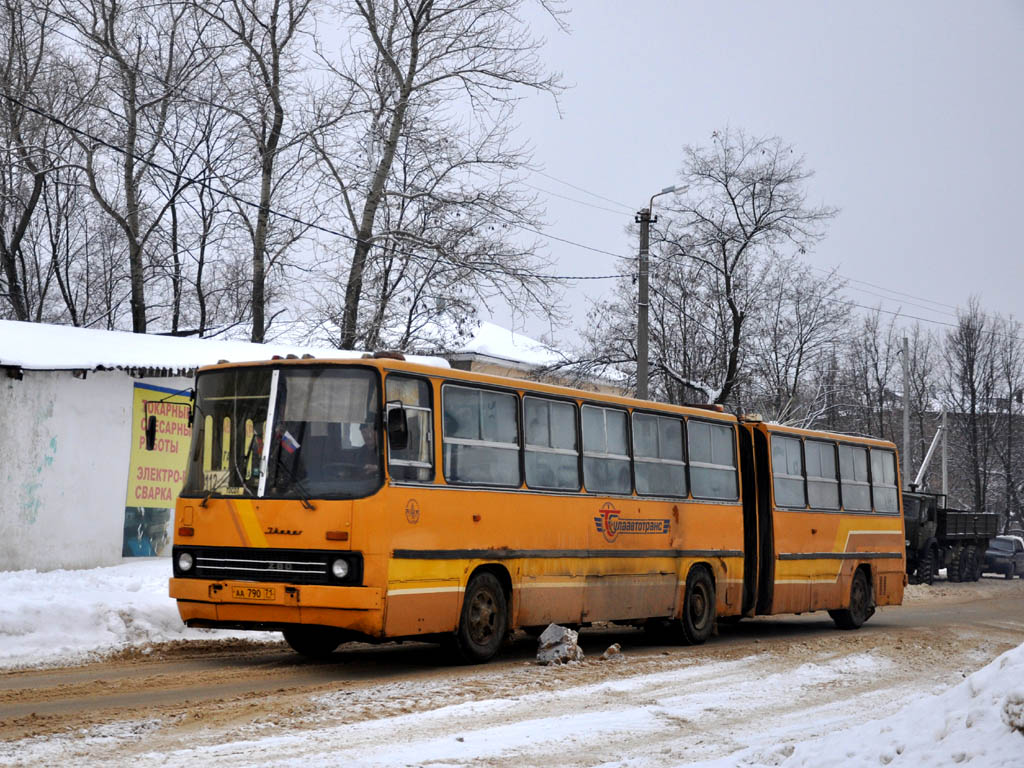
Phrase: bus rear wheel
(484,620)
(698,618)
(860,609)
(316,643)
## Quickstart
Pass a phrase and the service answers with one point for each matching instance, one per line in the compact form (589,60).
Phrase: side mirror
(398,426)
(150,433)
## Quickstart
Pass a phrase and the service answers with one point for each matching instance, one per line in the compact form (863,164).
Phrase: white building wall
(64,454)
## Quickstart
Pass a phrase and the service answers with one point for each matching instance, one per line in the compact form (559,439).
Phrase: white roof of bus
(38,346)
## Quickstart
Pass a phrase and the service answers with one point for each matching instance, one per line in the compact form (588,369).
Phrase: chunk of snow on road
(558,645)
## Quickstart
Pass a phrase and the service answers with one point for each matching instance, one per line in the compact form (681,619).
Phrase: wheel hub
(482,618)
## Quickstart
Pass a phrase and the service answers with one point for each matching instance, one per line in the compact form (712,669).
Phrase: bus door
(765,525)
(751,559)
(795,528)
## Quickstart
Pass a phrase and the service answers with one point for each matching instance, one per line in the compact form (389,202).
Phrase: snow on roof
(37,346)
(495,341)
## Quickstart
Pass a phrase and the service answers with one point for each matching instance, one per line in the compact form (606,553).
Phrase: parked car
(1005,555)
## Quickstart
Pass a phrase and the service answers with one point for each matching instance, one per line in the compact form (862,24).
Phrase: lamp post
(644,219)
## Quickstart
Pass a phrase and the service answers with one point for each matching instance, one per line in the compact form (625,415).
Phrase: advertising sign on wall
(155,477)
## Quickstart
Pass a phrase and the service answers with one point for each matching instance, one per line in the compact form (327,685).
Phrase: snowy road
(762,693)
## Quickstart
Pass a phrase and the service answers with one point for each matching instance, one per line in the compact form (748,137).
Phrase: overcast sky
(910,113)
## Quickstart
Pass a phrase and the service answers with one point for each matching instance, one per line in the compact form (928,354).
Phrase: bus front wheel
(698,607)
(860,609)
(313,642)
(484,620)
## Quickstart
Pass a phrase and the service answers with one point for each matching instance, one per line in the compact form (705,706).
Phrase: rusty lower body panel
(205,603)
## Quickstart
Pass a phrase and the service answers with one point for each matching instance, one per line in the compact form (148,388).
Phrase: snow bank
(978,722)
(69,617)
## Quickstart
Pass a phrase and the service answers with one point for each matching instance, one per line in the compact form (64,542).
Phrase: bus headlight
(184,562)
(339,568)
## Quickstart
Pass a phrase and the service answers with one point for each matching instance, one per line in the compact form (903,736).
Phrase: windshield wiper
(241,477)
(213,490)
(303,491)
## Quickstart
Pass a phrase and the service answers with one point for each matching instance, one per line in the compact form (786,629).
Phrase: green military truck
(938,537)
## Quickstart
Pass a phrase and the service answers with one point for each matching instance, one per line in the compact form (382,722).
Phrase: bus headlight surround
(340,568)
(185,562)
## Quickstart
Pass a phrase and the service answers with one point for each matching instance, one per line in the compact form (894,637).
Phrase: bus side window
(481,436)
(853,468)
(788,472)
(883,480)
(822,482)
(658,455)
(712,451)
(552,445)
(605,450)
(414,462)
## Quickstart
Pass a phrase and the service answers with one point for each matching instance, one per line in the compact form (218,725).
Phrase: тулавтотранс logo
(610,523)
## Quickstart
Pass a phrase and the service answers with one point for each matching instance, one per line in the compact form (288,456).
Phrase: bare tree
(266,37)
(872,367)
(427,89)
(801,319)
(721,288)
(1009,352)
(28,78)
(970,384)
(923,372)
(142,55)
(745,199)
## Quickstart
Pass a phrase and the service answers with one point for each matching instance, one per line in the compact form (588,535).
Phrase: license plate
(254,593)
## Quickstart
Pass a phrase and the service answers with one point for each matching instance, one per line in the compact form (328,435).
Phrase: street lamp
(644,219)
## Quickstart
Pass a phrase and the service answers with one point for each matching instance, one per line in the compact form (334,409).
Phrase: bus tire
(317,643)
(698,618)
(859,609)
(483,623)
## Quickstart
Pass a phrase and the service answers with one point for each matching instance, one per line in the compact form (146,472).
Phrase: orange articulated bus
(379,498)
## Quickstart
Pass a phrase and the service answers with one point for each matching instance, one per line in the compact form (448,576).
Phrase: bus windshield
(323,442)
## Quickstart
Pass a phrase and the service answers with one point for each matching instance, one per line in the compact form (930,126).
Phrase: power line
(896,313)
(899,313)
(884,288)
(570,199)
(629,208)
(890,298)
(310,225)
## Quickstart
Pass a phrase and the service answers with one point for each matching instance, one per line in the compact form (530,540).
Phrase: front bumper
(212,603)
(219,592)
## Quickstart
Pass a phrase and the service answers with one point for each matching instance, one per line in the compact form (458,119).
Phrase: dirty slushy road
(240,703)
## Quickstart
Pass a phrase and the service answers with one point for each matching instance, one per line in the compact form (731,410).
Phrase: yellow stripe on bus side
(401,591)
(247,516)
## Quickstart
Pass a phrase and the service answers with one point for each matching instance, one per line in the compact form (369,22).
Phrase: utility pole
(644,219)
(906,406)
(945,476)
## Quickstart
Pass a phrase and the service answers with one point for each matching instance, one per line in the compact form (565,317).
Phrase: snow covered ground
(71,617)
(657,711)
